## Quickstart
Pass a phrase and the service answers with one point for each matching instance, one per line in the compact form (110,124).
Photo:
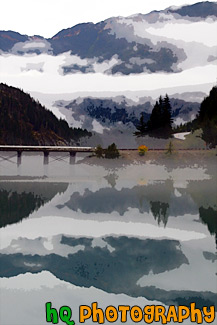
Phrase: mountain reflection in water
(18,200)
(114,229)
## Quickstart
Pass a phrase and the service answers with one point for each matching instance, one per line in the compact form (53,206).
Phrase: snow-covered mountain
(171,40)
(119,66)
(113,111)
(113,116)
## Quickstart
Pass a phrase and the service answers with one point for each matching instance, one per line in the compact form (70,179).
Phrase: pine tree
(167,112)
(160,122)
(141,127)
(156,116)
(207,118)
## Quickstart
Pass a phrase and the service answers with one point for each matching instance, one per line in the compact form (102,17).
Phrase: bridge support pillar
(19,158)
(72,157)
(46,157)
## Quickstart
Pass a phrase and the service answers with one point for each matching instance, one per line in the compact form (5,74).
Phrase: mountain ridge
(128,45)
(201,9)
(24,121)
(145,54)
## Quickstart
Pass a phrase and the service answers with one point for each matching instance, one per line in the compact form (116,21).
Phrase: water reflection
(170,201)
(118,260)
(159,199)
(160,211)
(138,230)
(109,263)
(110,199)
(209,218)
(15,207)
(19,199)
(111,179)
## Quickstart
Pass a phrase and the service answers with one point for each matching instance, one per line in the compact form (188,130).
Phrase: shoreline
(178,159)
(91,168)
(178,153)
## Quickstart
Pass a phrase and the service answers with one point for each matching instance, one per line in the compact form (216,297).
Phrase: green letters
(65,314)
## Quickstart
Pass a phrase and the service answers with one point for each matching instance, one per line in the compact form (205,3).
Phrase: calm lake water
(111,232)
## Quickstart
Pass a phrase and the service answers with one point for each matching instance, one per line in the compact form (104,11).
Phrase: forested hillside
(23,121)
(205,120)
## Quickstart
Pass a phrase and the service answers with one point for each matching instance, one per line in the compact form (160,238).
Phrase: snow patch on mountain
(97,127)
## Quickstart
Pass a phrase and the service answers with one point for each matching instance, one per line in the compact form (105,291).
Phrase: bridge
(46,150)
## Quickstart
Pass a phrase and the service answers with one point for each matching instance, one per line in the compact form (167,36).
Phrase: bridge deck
(75,149)
(46,148)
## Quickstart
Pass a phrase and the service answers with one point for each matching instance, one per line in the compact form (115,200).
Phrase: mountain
(10,38)
(24,121)
(131,45)
(102,76)
(109,113)
(201,9)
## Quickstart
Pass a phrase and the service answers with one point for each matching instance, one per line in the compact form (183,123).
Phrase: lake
(115,232)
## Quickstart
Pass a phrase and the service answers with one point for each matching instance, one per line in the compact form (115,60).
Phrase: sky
(47,17)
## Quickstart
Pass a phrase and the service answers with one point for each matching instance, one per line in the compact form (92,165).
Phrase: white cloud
(201,32)
(13,72)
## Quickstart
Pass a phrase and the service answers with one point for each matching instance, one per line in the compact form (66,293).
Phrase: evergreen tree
(167,112)
(112,152)
(160,101)
(207,118)
(160,122)
(208,107)
(156,116)
(209,134)
(141,127)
